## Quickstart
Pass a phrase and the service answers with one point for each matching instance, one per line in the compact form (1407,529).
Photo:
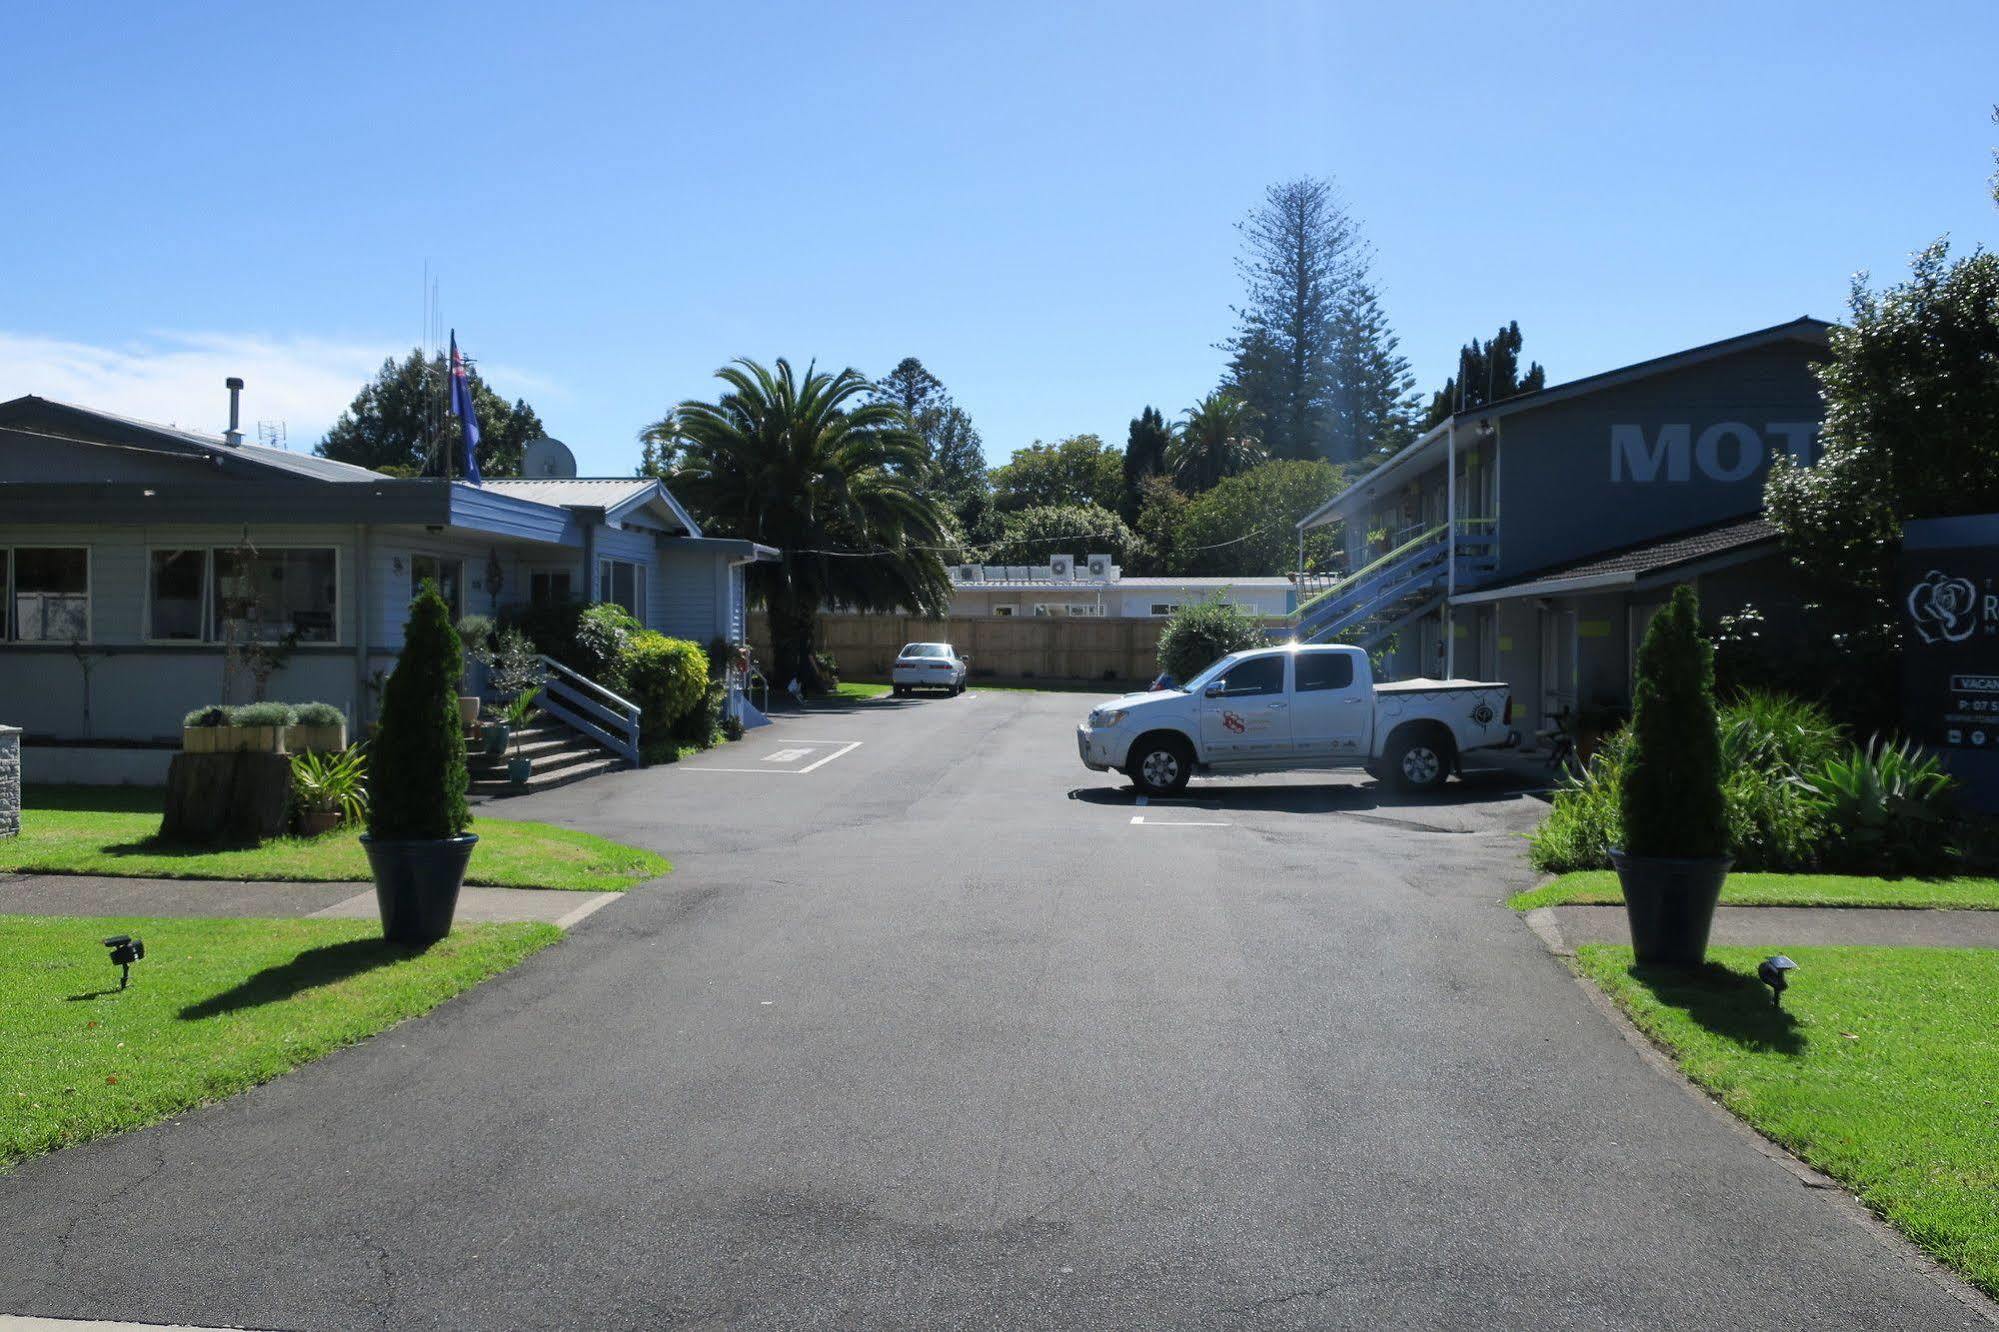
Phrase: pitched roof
(590,492)
(1729,540)
(31,413)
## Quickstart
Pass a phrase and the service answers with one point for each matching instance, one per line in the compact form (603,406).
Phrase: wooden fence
(1000,647)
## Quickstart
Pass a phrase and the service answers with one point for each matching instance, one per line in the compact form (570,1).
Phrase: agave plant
(330,783)
(1889,805)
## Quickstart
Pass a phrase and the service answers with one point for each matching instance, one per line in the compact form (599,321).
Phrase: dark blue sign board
(1949,602)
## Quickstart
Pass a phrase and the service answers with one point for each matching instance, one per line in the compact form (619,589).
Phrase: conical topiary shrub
(417,816)
(1675,821)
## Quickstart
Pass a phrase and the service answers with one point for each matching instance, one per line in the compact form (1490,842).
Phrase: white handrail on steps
(586,706)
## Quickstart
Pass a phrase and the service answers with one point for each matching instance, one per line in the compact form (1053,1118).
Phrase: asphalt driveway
(932,1027)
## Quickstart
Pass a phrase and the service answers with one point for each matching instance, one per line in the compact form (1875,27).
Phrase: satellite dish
(543,458)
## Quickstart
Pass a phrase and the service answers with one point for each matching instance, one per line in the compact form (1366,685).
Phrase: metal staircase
(1399,587)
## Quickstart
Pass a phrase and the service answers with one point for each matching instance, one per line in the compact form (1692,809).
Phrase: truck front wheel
(1160,765)
(1416,763)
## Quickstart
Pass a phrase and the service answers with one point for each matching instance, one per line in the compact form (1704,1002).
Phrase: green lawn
(110,829)
(216,1006)
(1882,1069)
(1600,887)
(859,689)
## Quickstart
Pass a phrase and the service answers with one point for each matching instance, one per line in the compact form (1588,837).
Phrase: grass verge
(1881,1069)
(216,1006)
(859,689)
(110,830)
(1600,887)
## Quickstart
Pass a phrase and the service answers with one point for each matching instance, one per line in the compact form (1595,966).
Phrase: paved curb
(1546,925)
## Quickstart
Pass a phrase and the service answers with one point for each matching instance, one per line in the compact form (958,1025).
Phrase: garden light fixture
(1771,971)
(125,950)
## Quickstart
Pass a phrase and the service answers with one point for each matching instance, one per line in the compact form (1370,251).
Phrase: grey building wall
(1658,455)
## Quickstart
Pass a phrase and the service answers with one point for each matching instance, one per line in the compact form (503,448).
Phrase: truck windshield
(1201,681)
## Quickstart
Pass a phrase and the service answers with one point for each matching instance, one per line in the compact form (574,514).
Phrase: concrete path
(933,1028)
(1780,927)
(91,895)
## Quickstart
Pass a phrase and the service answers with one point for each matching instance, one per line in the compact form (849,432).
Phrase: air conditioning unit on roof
(971,573)
(1100,566)
(1062,566)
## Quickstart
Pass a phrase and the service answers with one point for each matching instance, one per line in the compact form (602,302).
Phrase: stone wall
(10,780)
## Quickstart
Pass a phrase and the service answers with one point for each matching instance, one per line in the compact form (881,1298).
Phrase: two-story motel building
(1532,539)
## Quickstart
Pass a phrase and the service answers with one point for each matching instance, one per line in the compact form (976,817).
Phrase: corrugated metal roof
(590,492)
(280,460)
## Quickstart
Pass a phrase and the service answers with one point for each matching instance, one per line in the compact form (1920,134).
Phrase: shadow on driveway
(1483,787)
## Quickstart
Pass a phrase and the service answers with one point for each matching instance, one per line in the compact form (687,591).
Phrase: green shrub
(1582,823)
(515,667)
(332,782)
(1889,808)
(829,671)
(1777,733)
(604,634)
(1669,800)
(1202,632)
(263,714)
(318,714)
(419,748)
(668,679)
(475,636)
(212,715)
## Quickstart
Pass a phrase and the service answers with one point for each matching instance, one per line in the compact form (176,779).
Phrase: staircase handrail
(1373,566)
(602,714)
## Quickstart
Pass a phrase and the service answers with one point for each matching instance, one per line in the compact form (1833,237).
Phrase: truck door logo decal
(1233,722)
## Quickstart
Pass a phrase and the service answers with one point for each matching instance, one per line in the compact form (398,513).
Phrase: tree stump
(233,799)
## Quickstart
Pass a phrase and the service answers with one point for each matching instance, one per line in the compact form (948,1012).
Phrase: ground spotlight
(1771,971)
(125,950)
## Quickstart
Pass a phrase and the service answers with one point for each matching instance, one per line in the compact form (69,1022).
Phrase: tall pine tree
(1144,456)
(957,462)
(1301,253)
(1487,373)
(1374,401)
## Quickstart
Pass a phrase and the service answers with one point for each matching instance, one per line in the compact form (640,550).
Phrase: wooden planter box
(315,739)
(233,739)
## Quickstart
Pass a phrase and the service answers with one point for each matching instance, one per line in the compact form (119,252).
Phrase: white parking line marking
(1180,823)
(786,755)
(845,747)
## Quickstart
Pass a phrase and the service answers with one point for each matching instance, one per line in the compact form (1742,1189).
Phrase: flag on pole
(461,407)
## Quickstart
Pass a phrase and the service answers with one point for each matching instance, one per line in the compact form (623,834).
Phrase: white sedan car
(928,666)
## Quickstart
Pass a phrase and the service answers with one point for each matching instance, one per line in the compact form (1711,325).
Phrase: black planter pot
(416,885)
(496,735)
(519,770)
(1670,904)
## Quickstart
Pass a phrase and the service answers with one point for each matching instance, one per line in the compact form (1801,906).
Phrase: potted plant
(329,789)
(512,718)
(317,728)
(416,841)
(201,731)
(259,727)
(515,668)
(1674,857)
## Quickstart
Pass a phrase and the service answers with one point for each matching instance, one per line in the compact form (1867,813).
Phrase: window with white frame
(48,593)
(271,594)
(1164,607)
(1007,611)
(176,595)
(623,582)
(445,571)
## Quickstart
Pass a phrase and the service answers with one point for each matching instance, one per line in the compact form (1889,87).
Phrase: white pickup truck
(1298,706)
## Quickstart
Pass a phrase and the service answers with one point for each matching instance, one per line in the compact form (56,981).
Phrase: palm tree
(829,475)
(1216,441)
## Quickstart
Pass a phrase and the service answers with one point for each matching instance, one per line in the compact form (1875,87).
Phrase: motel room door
(1558,663)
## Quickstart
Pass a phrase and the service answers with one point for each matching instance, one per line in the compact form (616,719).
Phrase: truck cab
(1293,707)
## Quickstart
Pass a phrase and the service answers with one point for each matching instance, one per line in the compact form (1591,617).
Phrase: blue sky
(1036,200)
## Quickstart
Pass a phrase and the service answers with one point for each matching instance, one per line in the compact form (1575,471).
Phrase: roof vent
(233,436)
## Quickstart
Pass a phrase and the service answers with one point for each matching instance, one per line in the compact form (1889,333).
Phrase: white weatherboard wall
(140,690)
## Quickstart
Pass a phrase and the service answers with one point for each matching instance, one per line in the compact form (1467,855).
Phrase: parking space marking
(1181,823)
(791,755)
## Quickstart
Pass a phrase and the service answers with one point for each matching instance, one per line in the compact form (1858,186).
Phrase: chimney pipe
(233,436)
